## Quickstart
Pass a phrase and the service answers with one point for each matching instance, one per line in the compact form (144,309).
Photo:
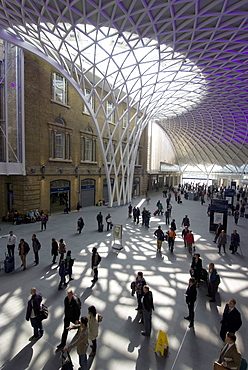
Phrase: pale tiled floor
(120,345)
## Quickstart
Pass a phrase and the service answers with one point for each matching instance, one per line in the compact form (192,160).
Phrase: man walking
(231,320)
(95,260)
(80,224)
(36,248)
(147,310)
(33,313)
(185,221)
(191,294)
(160,238)
(11,243)
(72,308)
(167,217)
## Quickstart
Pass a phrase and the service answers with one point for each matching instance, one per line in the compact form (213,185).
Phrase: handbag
(43,315)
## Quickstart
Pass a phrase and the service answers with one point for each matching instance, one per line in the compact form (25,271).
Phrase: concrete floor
(120,345)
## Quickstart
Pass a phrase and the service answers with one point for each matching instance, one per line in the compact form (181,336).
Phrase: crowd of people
(87,326)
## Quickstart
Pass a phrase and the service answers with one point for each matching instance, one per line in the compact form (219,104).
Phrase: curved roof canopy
(185,63)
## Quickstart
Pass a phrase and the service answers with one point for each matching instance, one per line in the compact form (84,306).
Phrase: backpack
(43,312)
(217,281)
(99,258)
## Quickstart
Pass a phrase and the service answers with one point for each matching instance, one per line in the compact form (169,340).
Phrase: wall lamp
(43,169)
(76,171)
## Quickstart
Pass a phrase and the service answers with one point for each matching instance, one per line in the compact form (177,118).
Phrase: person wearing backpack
(36,247)
(95,260)
(80,224)
(33,312)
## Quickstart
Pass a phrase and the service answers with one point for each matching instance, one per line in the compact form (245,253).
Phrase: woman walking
(62,250)
(92,329)
(54,251)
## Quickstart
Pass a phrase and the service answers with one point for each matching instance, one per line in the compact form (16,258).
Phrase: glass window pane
(60,145)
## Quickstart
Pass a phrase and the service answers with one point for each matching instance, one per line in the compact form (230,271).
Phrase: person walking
(171,239)
(36,247)
(72,309)
(11,242)
(184,233)
(109,222)
(81,342)
(62,273)
(130,209)
(231,319)
(189,238)
(148,307)
(139,283)
(235,241)
(191,294)
(134,214)
(160,238)
(167,217)
(62,250)
(173,225)
(95,260)
(185,221)
(92,329)
(99,219)
(196,268)
(219,227)
(43,220)
(230,357)
(80,224)
(236,216)
(55,248)
(137,214)
(212,282)
(222,240)
(23,252)
(69,262)
(33,313)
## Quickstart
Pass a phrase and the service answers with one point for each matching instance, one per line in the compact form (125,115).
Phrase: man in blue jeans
(33,313)
(147,310)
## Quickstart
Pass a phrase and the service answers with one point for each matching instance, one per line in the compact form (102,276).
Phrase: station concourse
(120,344)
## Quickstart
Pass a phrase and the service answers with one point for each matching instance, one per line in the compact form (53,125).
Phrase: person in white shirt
(12,240)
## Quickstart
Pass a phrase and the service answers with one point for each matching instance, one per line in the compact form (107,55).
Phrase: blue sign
(60,190)
(229,192)
(220,205)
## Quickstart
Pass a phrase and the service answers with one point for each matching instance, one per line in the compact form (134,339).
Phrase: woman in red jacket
(189,238)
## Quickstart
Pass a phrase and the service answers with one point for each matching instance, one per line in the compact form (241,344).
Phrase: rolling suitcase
(9,263)
(101,228)
(155,213)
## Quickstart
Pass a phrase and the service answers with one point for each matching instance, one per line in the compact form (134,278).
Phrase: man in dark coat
(191,294)
(99,218)
(147,310)
(72,306)
(33,312)
(36,247)
(80,224)
(231,320)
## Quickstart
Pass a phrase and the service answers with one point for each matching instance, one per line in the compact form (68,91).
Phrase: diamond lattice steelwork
(182,62)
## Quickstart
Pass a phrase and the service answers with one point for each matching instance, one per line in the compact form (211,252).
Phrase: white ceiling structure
(184,63)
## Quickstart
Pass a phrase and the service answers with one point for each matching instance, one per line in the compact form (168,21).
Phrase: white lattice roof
(182,62)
